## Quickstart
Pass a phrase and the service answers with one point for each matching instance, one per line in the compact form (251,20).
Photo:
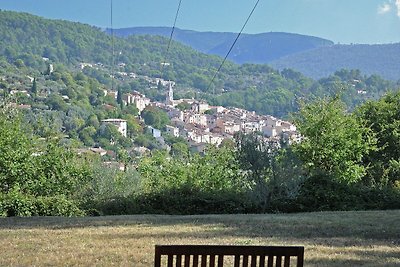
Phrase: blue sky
(342,21)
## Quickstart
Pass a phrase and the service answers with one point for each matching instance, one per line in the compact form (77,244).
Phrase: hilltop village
(201,124)
(197,122)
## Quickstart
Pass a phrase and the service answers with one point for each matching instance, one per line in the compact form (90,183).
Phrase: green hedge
(175,201)
(321,193)
(18,204)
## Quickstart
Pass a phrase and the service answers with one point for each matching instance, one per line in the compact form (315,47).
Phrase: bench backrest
(217,256)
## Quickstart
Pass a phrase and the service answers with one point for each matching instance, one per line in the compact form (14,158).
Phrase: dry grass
(331,238)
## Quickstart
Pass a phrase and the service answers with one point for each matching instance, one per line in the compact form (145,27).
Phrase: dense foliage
(383,117)
(36,178)
(334,143)
(250,175)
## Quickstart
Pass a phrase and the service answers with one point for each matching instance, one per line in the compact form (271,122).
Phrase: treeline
(345,161)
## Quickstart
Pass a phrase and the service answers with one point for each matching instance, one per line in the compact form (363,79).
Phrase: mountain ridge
(315,57)
(270,45)
(381,59)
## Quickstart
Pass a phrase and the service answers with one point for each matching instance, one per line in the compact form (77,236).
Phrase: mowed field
(366,238)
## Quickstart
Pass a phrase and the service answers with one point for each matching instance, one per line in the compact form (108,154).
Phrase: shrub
(15,203)
(322,193)
(177,201)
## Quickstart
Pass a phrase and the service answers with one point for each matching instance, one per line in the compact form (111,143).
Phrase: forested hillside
(312,56)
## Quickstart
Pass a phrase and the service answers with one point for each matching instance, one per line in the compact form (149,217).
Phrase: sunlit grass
(331,238)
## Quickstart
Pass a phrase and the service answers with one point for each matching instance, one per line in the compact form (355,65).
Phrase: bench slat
(187,260)
(178,262)
(195,260)
(203,260)
(262,261)
(220,260)
(286,261)
(270,261)
(237,261)
(212,260)
(170,260)
(278,261)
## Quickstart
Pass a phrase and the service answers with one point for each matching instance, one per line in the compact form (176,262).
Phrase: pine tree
(34,87)
(119,98)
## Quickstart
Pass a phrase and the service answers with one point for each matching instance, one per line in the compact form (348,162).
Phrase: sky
(342,21)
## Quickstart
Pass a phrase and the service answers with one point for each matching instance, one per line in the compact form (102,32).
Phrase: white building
(200,107)
(119,123)
(139,100)
(174,131)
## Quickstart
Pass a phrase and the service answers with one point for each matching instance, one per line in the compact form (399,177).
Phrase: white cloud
(385,8)
(397,4)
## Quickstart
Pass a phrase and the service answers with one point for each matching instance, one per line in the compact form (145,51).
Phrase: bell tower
(170,95)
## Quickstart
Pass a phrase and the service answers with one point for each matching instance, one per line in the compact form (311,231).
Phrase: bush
(322,193)
(17,204)
(177,201)
(57,206)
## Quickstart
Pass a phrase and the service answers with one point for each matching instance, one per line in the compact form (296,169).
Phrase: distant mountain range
(250,48)
(313,56)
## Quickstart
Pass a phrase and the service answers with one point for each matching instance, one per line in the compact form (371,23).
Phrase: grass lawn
(370,238)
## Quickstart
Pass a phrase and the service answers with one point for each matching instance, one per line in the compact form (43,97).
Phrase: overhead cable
(170,39)
(112,48)
(233,44)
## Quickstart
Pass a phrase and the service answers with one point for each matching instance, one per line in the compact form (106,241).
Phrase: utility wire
(170,39)
(112,48)
(230,49)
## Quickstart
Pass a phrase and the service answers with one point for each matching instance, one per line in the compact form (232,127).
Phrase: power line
(112,48)
(170,39)
(233,44)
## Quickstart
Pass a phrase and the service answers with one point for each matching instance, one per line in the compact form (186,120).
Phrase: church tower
(170,95)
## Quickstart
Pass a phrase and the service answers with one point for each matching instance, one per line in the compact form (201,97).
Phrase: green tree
(87,135)
(155,117)
(16,161)
(36,178)
(383,116)
(180,150)
(34,89)
(334,142)
(184,106)
(124,158)
(119,98)
(256,157)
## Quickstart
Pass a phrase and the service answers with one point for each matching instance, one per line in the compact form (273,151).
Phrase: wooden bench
(217,256)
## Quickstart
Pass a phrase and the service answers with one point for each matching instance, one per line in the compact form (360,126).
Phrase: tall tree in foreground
(383,116)
(36,178)
(273,173)
(334,142)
